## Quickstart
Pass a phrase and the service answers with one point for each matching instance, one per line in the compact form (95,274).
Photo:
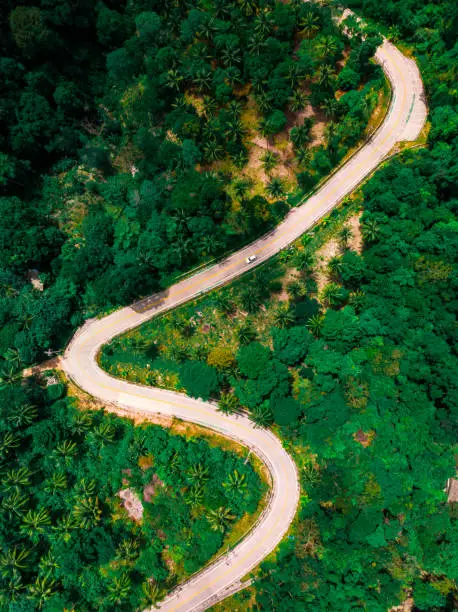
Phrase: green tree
(275,188)
(119,589)
(228,403)
(220,519)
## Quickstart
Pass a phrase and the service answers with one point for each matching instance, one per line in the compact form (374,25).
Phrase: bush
(285,410)
(55,392)
(348,79)
(199,379)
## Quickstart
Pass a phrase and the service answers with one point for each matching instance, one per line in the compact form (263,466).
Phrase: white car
(250,259)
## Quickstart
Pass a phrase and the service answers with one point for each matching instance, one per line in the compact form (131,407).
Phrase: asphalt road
(404,121)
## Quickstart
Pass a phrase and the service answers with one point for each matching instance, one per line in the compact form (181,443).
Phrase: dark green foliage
(380,409)
(199,379)
(290,345)
(101,142)
(62,530)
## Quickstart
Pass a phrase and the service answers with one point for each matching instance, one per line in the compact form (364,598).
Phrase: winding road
(404,122)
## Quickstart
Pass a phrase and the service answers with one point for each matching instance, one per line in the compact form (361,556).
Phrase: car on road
(250,259)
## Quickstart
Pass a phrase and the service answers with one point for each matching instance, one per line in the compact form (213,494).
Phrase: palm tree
(180,218)
(81,423)
(151,593)
(34,523)
(326,46)
(357,300)
(345,235)
(220,519)
(261,415)
(8,442)
(48,563)
(13,479)
(13,560)
(234,130)
(222,10)
(183,248)
(248,6)
(240,159)
(300,134)
(57,481)
(334,267)
(87,512)
(330,131)
(370,230)
(293,75)
(223,302)
(65,524)
(246,334)
(175,462)
(269,161)
(210,106)
(250,300)
(198,473)
(207,30)
(325,75)
(86,488)
(256,44)
(330,107)
(103,433)
(213,151)
(180,103)
(203,79)
(264,23)
(15,504)
(209,245)
(236,482)
(309,25)
(228,403)
(265,106)
(9,376)
(13,357)
(235,108)
(119,590)
(128,549)
(23,415)
(283,316)
(173,79)
(310,474)
(230,55)
(332,294)
(304,260)
(298,101)
(13,588)
(195,496)
(42,590)
(66,450)
(275,188)
(240,188)
(296,290)
(303,156)
(315,324)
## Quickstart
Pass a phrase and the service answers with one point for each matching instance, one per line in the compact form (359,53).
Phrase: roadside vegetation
(99,514)
(343,345)
(117,171)
(140,140)
(354,366)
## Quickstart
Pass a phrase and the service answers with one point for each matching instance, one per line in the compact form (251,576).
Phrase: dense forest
(66,540)
(126,130)
(123,139)
(359,376)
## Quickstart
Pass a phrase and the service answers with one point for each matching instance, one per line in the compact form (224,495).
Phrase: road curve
(404,121)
